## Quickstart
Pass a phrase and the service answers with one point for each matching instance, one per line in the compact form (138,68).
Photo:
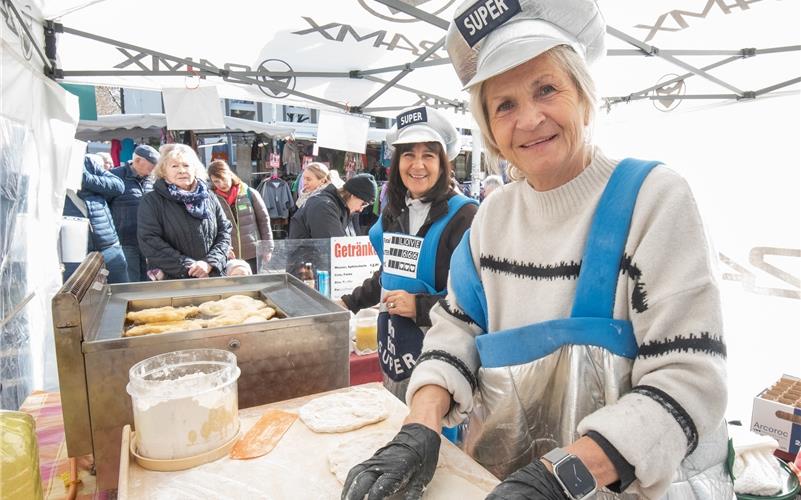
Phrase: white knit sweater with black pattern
(528,246)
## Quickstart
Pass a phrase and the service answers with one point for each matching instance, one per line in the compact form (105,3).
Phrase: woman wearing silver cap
(581,337)
(421,225)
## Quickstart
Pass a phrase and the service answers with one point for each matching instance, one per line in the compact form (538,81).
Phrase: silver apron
(522,412)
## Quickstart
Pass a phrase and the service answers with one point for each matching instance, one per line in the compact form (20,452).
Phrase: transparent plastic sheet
(292,256)
(15,346)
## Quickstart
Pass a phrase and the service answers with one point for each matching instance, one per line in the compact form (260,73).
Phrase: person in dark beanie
(327,214)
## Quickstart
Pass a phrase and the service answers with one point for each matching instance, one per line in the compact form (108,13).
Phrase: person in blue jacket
(420,227)
(136,175)
(98,186)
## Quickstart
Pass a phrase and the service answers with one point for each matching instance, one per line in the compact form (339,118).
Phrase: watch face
(575,476)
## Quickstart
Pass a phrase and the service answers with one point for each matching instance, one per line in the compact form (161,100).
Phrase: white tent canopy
(150,125)
(376,57)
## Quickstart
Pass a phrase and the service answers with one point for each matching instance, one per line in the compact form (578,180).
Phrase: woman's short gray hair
(572,64)
(171,151)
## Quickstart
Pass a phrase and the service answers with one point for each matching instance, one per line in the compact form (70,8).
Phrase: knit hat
(489,37)
(362,186)
(425,124)
(148,153)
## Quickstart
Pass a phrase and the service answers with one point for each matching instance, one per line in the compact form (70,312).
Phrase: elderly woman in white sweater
(581,336)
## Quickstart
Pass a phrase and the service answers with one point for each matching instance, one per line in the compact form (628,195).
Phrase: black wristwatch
(571,473)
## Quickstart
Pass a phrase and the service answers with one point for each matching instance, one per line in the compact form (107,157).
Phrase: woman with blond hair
(182,230)
(581,336)
(245,209)
(315,177)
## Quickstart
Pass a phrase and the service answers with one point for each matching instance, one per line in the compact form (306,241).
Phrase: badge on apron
(400,341)
(402,254)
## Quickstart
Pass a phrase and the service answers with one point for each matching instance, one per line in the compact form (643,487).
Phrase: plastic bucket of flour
(184,403)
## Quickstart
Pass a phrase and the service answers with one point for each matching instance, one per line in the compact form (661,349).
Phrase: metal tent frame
(277,82)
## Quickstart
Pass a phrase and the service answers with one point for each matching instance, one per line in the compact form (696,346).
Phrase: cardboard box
(777,413)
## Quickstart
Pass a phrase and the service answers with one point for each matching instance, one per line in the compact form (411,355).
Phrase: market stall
(711,89)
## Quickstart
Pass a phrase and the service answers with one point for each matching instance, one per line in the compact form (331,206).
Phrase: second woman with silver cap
(421,225)
(582,334)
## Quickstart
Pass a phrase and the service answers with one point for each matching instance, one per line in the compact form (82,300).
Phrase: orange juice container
(367,330)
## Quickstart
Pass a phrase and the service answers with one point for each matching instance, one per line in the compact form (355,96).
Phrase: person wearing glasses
(420,226)
(328,213)
(582,337)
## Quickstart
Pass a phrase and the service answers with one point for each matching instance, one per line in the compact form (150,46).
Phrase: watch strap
(556,455)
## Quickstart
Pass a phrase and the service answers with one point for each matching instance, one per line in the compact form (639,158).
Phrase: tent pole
(777,86)
(654,51)
(408,69)
(49,65)
(415,12)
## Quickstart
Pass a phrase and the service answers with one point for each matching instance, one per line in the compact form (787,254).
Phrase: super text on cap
(484,16)
(417,115)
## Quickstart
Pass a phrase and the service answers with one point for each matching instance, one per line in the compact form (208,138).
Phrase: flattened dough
(242,316)
(231,304)
(355,451)
(162,314)
(346,411)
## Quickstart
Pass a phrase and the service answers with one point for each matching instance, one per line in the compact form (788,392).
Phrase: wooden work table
(297,467)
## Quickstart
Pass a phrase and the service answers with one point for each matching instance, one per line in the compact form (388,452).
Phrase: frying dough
(239,317)
(162,314)
(230,304)
(355,451)
(164,327)
(345,411)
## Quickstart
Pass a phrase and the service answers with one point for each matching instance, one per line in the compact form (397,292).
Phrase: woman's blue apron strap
(466,284)
(429,251)
(528,343)
(600,266)
(376,235)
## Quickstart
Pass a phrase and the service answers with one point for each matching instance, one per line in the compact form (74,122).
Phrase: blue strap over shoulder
(466,283)
(591,321)
(426,271)
(597,281)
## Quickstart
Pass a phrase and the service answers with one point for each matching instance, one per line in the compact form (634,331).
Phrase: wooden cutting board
(297,467)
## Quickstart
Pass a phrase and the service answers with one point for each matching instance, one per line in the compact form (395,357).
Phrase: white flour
(185,416)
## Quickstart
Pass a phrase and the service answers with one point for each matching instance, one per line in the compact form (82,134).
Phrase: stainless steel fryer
(304,353)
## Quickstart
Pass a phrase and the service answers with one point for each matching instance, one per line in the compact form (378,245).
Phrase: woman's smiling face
(419,169)
(537,119)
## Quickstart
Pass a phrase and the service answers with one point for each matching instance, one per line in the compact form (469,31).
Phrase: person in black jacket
(97,187)
(421,225)
(328,213)
(182,229)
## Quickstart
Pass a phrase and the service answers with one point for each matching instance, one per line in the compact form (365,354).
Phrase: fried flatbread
(162,314)
(264,435)
(164,327)
(230,304)
(241,317)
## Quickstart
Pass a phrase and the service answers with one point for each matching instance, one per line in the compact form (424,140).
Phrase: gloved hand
(407,464)
(532,481)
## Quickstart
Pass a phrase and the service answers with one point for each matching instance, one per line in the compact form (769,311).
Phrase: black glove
(533,481)
(407,464)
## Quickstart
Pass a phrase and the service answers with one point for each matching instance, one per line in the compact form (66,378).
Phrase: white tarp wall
(37,129)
